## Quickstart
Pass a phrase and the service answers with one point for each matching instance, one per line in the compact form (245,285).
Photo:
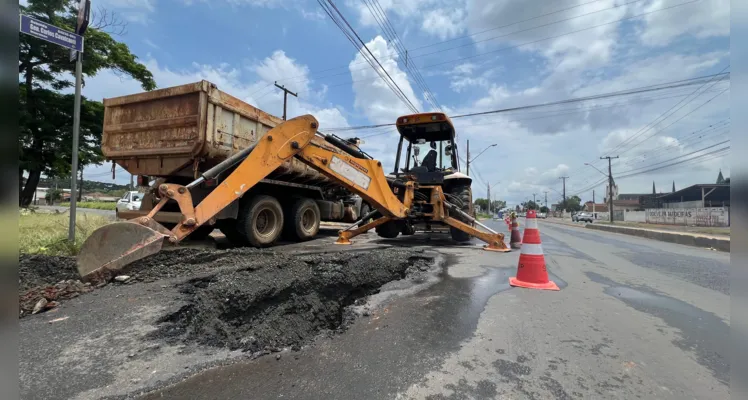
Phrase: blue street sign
(51,33)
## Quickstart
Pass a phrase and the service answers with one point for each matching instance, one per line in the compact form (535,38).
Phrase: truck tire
(229,229)
(260,220)
(465,195)
(388,230)
(302,220)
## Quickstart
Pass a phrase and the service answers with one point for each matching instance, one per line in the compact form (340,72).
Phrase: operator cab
(431,152)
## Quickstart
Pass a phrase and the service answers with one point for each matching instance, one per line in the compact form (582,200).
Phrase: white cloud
(444,23)
(702,19)
(372,95)
(134,11)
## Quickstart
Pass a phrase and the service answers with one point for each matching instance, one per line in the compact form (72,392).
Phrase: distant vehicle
(129,202)
(541,215)
(582,217)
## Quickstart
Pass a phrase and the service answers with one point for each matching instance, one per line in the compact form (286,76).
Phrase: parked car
(541,215)
(582,217)
(129,202)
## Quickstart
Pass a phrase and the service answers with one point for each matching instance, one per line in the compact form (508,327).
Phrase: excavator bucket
(113,246)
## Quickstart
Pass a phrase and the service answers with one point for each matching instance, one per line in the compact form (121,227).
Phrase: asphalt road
(635,319)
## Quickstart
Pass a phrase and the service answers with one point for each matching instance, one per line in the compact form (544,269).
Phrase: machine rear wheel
(464,193)
(388,230)
(261,221)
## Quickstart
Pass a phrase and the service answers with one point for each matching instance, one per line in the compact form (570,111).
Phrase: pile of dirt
(191,261)
(287,302)
(43,281)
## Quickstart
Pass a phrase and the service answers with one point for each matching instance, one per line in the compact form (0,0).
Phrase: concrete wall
(715,216)
(684,204)
(635,216)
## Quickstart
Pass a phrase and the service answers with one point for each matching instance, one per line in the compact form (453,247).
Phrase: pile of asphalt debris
(283,301)
(44,281)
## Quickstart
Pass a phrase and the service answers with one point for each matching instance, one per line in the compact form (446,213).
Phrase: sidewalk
(718,242)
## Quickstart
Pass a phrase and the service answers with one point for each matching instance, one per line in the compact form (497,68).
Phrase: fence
(713,216)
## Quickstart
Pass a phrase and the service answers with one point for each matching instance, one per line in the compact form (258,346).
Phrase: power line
(643,89)
(363,49)
(516,46)
(389,31)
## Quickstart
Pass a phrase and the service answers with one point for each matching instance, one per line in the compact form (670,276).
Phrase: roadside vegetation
(45,233)
(96,205)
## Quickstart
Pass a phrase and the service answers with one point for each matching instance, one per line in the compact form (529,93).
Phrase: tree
(481,203)
(498,204)
(530,205)
(544,210)
(45,114)
(573,204)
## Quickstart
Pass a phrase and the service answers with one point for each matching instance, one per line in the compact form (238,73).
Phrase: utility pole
(610,186)
(285,97)
(546,199)
(467,172)
(593,204)
(84,12)
(533,198)
(564,194)
(488,194)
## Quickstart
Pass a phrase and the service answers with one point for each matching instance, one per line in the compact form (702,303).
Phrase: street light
(604,174)
(468,157)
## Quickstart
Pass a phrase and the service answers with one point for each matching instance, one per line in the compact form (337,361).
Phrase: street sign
(51,33)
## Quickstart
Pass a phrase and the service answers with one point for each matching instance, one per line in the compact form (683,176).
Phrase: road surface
(635,318)
(105,213)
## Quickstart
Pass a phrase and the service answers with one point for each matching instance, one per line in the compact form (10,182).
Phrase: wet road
(635,318)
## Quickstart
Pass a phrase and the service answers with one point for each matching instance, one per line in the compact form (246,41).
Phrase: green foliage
(43,233)
(544,209)
(530,205)
(572,204)
(53,195)
(45,114)
(495,205)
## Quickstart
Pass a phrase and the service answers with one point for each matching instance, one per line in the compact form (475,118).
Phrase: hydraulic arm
(113,246)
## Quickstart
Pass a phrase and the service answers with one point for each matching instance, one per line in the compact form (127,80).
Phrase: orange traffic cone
(531,271)
(515,242)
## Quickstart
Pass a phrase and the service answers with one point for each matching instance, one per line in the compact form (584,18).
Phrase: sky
(467,56)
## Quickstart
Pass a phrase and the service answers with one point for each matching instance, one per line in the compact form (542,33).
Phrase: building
(698,196)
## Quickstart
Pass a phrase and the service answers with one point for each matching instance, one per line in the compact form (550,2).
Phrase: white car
(129,202)
(582,217)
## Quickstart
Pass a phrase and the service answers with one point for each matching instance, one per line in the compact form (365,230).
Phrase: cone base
(516,245)
(496,249)
(550,285)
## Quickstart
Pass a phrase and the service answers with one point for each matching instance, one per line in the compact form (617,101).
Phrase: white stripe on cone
(531,223)
(532,249)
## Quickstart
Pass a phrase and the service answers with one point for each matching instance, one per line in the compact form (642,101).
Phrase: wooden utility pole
(610,186)
(546,199)
(563,178)
(467,172)
(285,97)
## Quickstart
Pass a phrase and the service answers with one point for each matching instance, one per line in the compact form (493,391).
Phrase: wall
(684,204)
(635,216)
(715,216)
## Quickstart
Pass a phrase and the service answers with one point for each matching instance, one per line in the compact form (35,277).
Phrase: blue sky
(523,57)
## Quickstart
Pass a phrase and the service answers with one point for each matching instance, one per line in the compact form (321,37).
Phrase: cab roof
(429,126)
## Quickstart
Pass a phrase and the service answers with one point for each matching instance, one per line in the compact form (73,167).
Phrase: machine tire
(407,229)
(388,230)
(229,229)
(302,220)
(465,195)
(260,220)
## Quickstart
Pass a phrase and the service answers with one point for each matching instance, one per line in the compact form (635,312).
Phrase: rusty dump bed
(184,130)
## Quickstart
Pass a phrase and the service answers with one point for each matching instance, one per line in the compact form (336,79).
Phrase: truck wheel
(261,221)
(229,229)
(388,230)
(465,195)
(302,220)
(407,229)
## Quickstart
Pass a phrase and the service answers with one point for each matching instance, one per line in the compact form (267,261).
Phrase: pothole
(286,303)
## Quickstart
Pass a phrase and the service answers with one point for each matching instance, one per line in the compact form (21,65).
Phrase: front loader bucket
(113,246)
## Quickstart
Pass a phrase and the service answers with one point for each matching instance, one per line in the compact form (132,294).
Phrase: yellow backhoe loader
(411,196)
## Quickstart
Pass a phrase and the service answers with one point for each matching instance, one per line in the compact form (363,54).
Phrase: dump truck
(417,195)
(173,135)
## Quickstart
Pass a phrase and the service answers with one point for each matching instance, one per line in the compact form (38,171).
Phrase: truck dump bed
(184,130)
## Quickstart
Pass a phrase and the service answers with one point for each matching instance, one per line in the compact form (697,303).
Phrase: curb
(688,240)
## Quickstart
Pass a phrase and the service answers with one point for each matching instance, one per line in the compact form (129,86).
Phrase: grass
(42,233)
(96,205)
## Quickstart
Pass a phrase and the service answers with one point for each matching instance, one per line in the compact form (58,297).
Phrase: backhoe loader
(410,196)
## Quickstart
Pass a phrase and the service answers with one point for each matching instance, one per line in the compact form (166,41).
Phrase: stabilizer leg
(344,237)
